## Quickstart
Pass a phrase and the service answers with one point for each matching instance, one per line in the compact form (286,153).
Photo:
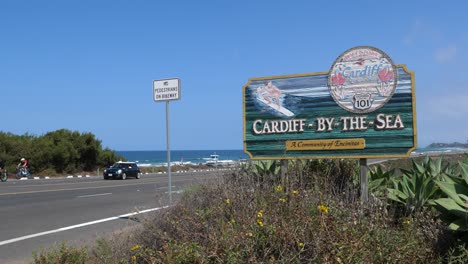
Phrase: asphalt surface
(36,214)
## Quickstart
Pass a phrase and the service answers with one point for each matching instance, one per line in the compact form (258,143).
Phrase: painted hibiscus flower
(385,75)
(338,79)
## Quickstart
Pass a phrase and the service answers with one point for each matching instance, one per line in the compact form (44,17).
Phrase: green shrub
(454,208)
(103,252)
(380,180)
(265,170)
(63,151)
(331,176)
(61,254)
(417,188)
(456,255)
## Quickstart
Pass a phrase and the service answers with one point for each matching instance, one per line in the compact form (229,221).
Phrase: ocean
(159,157)
(440,150)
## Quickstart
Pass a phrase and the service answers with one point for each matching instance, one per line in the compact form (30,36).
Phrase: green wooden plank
(387,142)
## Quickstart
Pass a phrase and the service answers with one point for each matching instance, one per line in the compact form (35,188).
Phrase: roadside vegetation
(54,153)
(313,214)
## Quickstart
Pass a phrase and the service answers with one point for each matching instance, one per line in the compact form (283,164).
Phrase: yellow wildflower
(232,221)
(301,245)
(259,222)
(228,201)
(323,208)
(407,221)
(136,247)
(282,200)
(279,188)
(260,214)
(134,259)
(295,192)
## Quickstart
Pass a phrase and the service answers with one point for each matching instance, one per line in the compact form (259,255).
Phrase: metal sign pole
(364,181)
(168,153)
(167,90)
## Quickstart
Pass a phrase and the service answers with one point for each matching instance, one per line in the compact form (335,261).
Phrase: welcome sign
(364,107)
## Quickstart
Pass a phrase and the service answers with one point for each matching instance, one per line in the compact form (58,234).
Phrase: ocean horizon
(159,157)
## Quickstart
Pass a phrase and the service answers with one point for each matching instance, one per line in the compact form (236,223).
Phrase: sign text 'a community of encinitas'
(363,107)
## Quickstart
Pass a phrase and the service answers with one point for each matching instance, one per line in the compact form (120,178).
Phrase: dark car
(122,170)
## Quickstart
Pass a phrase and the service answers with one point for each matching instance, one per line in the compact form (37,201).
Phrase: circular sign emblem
(362,79)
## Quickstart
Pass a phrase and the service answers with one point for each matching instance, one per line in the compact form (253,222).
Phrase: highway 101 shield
(364,107)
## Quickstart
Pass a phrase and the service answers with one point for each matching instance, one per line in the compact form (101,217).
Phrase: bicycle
(4,175)
(22,172)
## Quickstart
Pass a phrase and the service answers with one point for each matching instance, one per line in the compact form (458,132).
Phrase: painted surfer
(270,93)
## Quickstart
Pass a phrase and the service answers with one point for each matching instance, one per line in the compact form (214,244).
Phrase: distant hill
(448,145)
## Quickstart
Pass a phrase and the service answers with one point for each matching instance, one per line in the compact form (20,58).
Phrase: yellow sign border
(413,95)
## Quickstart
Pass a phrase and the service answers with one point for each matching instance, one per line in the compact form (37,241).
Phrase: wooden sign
(364,107)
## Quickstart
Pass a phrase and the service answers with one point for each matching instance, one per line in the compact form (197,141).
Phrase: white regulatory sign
(167,89)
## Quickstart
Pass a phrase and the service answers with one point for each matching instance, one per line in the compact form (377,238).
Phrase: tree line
(60,151)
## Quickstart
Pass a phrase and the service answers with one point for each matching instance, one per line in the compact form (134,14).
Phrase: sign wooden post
(284,169)
(364,180)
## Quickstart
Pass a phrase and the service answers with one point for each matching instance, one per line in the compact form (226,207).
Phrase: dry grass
(312,219)
(312,215)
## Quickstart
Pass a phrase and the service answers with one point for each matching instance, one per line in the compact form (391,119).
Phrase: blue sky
(89,65)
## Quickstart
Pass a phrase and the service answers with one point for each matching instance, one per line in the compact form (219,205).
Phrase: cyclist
(23,167)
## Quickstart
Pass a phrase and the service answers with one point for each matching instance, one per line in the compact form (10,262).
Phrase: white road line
(93,195)
(173,186)
(179,191)
(13,240)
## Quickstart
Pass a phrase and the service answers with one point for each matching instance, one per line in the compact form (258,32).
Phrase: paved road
(36,214)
